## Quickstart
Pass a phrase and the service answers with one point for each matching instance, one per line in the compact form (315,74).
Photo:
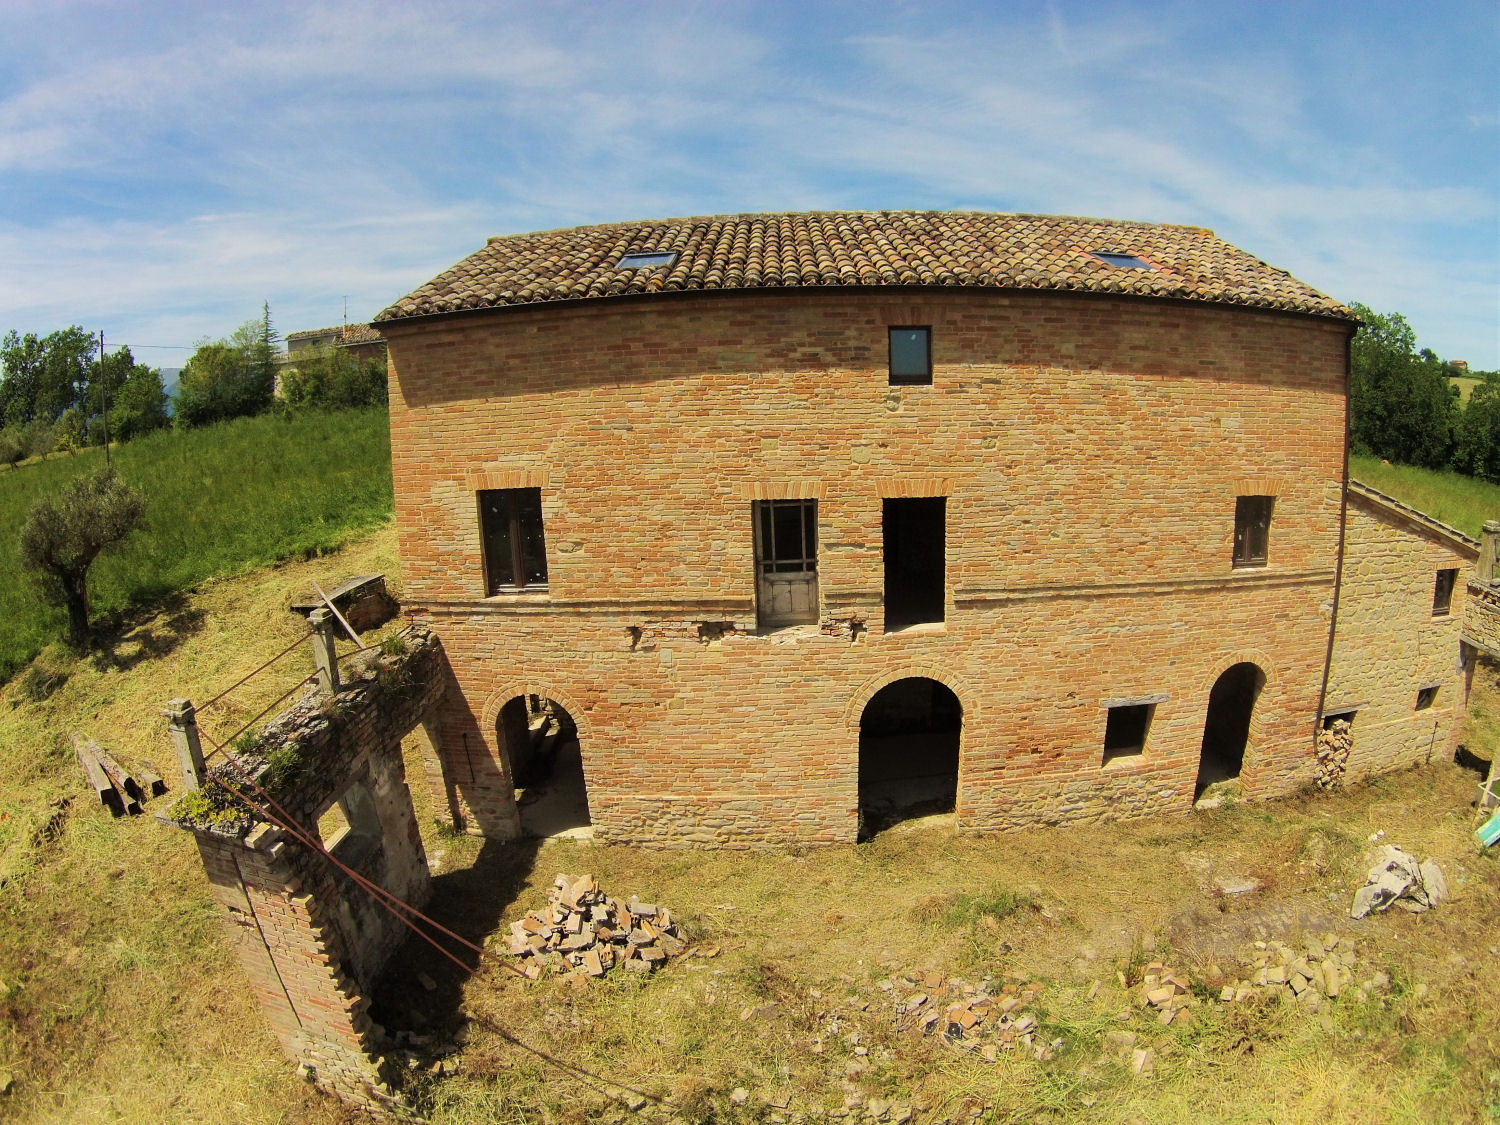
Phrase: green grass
(219,500)
(1459,501)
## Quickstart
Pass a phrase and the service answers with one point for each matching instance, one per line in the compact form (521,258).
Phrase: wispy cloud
(169,169)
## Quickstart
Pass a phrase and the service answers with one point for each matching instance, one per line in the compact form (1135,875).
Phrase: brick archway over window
(868,690)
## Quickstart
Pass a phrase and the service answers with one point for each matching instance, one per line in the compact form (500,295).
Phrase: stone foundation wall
(1389,643)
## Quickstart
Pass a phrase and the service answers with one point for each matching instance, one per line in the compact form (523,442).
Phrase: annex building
(758,528)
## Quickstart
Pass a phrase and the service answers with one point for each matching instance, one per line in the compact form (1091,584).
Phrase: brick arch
(871,687)
(1226,661)
(1267,668)
(502,695)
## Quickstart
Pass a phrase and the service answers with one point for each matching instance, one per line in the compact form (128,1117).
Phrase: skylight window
(647,260)
(1124,261)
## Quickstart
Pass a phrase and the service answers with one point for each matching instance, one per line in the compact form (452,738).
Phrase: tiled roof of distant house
(890,249)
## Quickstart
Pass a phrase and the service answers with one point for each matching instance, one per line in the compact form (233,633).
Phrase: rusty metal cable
(243,679)
(219,748)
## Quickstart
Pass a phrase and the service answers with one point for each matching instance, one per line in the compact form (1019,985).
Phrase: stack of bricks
(1334,743)
(583,933)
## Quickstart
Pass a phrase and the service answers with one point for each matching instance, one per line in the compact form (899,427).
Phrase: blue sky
(165,168)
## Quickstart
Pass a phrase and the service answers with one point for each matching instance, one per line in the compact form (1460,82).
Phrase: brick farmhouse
(787,526)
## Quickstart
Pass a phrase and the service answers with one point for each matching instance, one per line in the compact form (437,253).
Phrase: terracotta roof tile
(862,248)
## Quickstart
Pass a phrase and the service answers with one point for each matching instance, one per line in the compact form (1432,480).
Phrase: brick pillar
(294,958)
(1485,570)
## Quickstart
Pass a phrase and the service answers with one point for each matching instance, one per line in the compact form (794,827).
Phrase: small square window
(1442,592)
(1123,261)
(1125,730)
(1425,698)
(911,356)
(1252,529)
(647,260)
(515,550)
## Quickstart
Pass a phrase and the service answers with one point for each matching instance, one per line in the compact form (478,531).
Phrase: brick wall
(1389,643)
(1090,450)
(310,939)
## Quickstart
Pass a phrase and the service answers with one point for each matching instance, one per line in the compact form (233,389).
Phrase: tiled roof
(890,249)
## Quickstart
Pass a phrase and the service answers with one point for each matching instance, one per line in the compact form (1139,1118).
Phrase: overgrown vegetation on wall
(219,500)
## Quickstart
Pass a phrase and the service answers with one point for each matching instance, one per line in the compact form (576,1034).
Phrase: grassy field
(1459,501)
(219,500)
(121,1001)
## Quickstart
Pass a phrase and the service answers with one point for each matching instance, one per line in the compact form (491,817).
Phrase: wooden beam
(98,780)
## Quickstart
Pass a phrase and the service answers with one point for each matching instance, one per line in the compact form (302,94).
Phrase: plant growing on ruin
(61,539)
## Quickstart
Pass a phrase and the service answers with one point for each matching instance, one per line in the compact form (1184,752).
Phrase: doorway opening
(1226,730)
(546,767)
(909,736)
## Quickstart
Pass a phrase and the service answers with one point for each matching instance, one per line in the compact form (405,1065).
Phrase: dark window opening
(1426,697)
(1252,529)
(1346,717)
(913,532)
(909,737)
(1124,261)
(1125,730)
(1442,592)
(350,828)
(911,356)
(786,561)
(647,260)
(515,551)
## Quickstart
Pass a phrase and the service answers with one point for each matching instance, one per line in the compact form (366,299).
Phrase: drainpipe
(1338,573)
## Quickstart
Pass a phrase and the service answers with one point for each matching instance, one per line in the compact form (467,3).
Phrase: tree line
(1403,406)
(58,393)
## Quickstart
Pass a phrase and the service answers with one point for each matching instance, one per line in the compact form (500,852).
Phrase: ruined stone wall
(1090,450)
(1390,645)
(309,938)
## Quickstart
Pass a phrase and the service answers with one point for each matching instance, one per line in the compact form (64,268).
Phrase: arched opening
(1231,706)
(908,753)
(546,766)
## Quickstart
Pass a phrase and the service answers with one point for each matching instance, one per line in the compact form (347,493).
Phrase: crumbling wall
(311,940)
(1389,645)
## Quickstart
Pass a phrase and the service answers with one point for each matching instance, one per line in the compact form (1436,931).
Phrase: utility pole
(104,381)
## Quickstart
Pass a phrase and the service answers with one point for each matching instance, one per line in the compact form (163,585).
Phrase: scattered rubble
(1397,878)
(971,1017)
(582,933)
(1334,743)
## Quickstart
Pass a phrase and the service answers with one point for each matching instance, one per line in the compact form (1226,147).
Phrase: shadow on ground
(472,903)
(122,643)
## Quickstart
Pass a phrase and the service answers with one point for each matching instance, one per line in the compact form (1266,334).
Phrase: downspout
(1338,573)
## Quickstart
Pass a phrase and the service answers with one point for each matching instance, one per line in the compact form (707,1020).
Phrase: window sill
(520,594)
(1125,760)
(1247,567)
(921,628)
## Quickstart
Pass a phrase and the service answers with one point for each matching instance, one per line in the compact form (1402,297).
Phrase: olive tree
(63,536)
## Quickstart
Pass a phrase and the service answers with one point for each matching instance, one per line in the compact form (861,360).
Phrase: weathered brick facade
(1091,450)
(1391,644)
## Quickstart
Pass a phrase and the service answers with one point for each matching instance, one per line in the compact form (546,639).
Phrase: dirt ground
(790,1004)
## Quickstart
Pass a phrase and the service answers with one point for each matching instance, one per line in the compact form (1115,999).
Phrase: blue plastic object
(1489,831)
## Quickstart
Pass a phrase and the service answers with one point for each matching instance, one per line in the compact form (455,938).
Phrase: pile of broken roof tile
(583,933)
(976,1018)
